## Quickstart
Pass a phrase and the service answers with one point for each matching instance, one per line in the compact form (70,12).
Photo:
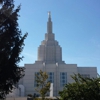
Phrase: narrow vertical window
(51,77)
(63,78)
(35,83)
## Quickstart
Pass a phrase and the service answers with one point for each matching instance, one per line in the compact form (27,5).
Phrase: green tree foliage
(43,86)
(81,89)
(11,45)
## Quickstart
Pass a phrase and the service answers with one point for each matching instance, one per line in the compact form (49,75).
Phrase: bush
(30,95)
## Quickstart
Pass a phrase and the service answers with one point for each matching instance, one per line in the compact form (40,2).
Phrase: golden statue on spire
(49,14)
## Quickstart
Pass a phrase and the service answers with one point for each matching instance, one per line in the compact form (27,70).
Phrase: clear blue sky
(76,25)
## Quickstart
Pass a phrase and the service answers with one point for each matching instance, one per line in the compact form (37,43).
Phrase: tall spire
(49,23)
(49,15)
(49,51)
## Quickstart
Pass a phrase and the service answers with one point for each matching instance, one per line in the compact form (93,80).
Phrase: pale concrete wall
(92,71)
(70,69)
(28,81)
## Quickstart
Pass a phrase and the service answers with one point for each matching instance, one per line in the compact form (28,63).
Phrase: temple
(50,60)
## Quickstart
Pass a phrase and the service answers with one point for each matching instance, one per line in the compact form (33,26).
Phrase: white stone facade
(70,69)
(50,61)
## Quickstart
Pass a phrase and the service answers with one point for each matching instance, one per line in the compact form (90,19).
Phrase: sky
(76,25)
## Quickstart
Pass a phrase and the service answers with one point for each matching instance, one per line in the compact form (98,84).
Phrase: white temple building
(50,61)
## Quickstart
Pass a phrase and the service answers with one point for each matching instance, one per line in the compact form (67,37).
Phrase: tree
(1,1)
(11,45)
(81,89)
(43,86)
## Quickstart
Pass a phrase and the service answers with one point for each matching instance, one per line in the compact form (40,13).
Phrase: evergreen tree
(1,1)
(81,89)
(11,45)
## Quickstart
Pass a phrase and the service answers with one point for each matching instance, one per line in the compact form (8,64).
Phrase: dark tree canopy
(11,45)
(81,89)
(1,1)
(6,2)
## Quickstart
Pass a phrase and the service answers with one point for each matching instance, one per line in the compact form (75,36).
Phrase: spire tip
(49,14)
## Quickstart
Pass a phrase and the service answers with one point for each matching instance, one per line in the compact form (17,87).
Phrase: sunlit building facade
(50,60)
